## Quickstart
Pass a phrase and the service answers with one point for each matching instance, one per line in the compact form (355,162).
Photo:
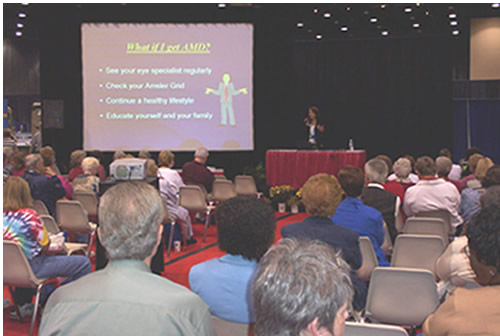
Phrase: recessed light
(300,24)
(408,9)
(495,5)
(427,13)
(21,15)
(383,6)
(221,5)
(319,36)
(416,25)
(453,23)
(385,33)
(315,11)
(418,4)
(344,28)
(19,34)
(452,15)
(348,8)
(19,25)
(25,4)
(373,20)
(327,15)
(456,32)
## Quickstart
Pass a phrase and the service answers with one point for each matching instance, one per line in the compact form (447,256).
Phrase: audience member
(391,186)
(169,183)
(49,161)
(432,193)
(353,214)
(245,230)
(8,169)
(125,298)
(151,168)
(44,188)
(402,170)
(321,194)
(101,172)
(443,168)
(17,161)
(87,181)
(475,311)
(119,154)
(471,164)
(23,225)
(144,154)
(195,172)
(492,195)
(464,162)
(482,166)
(75,163)
(375,196)
(301,288)
(469,204)
(412,176)
(456,170)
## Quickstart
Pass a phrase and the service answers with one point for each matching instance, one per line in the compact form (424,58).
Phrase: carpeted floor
(176,267)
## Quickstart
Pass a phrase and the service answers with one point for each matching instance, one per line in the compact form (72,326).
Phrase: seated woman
(88,181)
(49,162)
(245,230)
(24,226)
(170,182)
(475,311)
(402,170)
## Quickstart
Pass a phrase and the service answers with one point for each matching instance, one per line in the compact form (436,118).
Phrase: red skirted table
(294,167)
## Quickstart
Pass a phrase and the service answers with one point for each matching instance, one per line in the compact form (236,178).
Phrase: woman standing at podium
(314,127)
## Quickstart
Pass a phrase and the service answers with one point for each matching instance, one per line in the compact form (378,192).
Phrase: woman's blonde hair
(321,194)
(482,166)
(16,194)
(165,158)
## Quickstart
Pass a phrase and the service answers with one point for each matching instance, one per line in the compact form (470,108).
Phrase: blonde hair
(165,158)
(77,157)
(321,194)
(16,194)
(48,156)
(90,165)
(473,160)
(151,168)
(482,167)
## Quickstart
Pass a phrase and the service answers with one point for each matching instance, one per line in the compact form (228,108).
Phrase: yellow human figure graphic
(226,91)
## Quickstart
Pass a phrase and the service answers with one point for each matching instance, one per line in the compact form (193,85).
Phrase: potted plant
(295,201)
(280,195)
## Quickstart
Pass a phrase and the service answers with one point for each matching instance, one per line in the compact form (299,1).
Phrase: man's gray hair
(443,166)
(296,282)
(402,167)
(31,161)
(201,152)
(376,170)
(129,216)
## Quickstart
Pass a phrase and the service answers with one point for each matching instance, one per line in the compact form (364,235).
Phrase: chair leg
(35,311)
(170,238)
(89,247)
(183,234)
(16,307)
(207,222)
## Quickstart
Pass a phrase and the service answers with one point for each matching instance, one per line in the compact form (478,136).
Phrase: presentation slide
(167,86)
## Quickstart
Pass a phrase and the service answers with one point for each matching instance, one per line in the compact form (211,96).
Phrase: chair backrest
(428,226)
(443,214)
(223,190)
(245,185)
(88,200)
(71,216)
(401,296)
(192,198)
(220,177)
(40,207)
(417,251)
(50,224)
(228,328)
(16,269)
(387,245)
(369,258)
(372,329)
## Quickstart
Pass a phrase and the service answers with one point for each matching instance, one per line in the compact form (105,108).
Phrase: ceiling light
(25,4)
(453,23)
(344,28)
(452,15)
(408,9)
(495,5)
(327,15)
(385,33)
(348,8)
(383,6)
(315,11)
(416,25)
(373,20)
(21,15)
(427,13)
(19,34)
(300,24)
(456,32)
(221,5)
(19,25)
(319,37)
(418,4)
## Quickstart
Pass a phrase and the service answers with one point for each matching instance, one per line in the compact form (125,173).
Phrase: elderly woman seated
(245,230)
(88,181)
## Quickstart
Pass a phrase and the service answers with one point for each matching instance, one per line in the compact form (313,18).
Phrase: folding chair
(17,272)
(417,251)
(89,202)
(245,186)
(444,215)
(223,190)
(372,329)
(52,227)
(369,258)
(401,296)
(192,198)
(40,207)
(427,226)
(229,328)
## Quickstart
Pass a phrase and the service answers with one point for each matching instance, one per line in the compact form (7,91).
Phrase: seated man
(195,172)
(375,195)
(321,194)
(432,193)
(125,298)
(314,303)
(245,230)
(46,189)
(443,168)
(353,214)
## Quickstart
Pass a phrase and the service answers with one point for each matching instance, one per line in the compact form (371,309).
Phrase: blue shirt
(225,284)
(367,221)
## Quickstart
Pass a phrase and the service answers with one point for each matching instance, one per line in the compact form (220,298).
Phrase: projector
(128,169)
